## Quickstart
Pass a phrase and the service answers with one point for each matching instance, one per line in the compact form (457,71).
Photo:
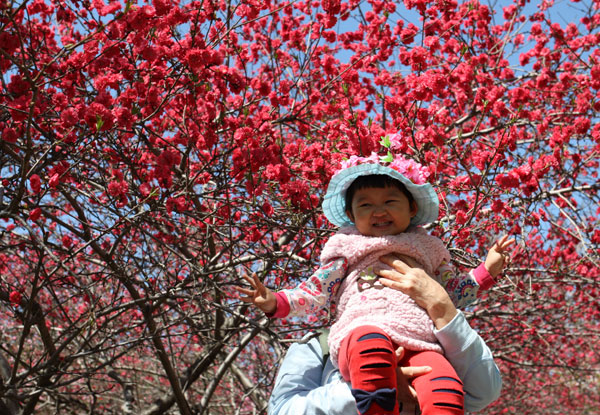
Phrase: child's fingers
(257,282)
(245,291)
(501,247)
(250,280)
(503,243)
(260,287)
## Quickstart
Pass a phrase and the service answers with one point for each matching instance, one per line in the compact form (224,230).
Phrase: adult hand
(408,277)
(259,295)
(407,396)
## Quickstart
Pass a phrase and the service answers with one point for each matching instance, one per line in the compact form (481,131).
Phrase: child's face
(381,211)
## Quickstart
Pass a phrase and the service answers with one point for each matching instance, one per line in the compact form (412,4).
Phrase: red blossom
(10,135)
(67,241)
(118,188)
(162,7)
(98,117)
(508,181)
(331,6)
(278,172)
(177,204)
(35,183)
(408,33)
(35,214)
(104,9)
(268,209)
(15,298)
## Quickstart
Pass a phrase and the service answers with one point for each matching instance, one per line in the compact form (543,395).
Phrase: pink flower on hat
(356,160)
(410,169)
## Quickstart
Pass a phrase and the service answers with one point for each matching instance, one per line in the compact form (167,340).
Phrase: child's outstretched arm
(497,256)
(259,295)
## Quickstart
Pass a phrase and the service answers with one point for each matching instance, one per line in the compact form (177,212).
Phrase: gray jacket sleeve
(307,386)
(473,362)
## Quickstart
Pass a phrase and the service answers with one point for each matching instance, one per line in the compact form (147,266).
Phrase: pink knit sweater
(391,310)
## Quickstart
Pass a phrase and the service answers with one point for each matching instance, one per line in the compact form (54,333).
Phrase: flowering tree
(153,152)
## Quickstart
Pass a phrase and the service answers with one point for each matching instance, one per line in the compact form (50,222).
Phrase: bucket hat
(410,173)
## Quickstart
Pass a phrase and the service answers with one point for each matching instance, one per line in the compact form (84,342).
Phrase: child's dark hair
(377,181)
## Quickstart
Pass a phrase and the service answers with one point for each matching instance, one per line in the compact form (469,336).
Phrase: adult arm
(473,362)
(463,347)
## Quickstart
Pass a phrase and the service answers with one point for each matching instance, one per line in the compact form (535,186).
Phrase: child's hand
(497,257)
(260,295)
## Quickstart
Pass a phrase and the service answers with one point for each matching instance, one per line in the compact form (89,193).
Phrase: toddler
(379,206)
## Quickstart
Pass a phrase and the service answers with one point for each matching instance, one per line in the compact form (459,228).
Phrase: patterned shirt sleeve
(315,293)
(463,288)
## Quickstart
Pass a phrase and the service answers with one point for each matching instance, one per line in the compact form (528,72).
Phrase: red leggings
(367,359)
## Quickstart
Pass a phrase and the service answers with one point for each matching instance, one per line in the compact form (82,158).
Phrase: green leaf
(388,158)
(99,122)
(385,141)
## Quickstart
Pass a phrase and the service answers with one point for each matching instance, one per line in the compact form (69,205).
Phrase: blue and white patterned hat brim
(334,204)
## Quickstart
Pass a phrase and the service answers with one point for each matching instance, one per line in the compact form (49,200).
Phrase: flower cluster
(410,169)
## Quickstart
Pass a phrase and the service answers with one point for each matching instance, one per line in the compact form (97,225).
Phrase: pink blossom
(412,170)
(54,180)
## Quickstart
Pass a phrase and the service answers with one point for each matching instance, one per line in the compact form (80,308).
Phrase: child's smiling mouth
(382,224)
